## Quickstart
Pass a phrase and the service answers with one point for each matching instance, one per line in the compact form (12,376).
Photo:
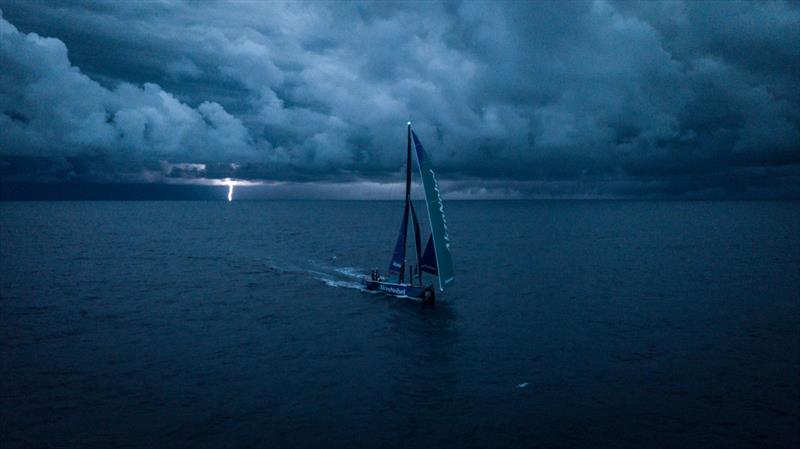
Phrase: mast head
(409,123)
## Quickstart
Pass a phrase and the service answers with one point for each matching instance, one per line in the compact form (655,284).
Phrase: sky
(583,99)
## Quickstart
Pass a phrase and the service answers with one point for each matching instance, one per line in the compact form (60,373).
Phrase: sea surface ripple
(571,324)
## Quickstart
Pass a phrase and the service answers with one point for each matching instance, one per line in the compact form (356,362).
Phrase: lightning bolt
(230,191)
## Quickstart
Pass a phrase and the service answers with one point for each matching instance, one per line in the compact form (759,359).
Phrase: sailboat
(436,260)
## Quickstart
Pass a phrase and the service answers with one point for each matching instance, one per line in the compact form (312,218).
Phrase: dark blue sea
(572,324)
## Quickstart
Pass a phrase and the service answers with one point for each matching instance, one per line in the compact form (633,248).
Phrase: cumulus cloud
(598,98)
(51,108)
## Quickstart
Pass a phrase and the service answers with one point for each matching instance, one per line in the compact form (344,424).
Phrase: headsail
(399,256)
(428,263)
(417,241)
(439,235)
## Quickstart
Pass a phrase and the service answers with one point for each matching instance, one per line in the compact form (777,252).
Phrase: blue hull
(415,292)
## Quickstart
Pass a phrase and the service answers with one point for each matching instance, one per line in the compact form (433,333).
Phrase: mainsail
(398,264)
(443,261)
(399,256)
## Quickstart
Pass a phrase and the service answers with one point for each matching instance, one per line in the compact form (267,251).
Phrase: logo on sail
(446,236)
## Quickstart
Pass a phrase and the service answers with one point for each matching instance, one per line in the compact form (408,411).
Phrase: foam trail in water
(350,272)
(344,277)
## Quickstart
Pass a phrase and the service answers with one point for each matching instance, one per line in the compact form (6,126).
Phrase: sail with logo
(436,258)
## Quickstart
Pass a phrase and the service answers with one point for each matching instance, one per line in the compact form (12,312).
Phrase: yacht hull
(416,292)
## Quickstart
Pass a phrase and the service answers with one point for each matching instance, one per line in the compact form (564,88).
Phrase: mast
(408,191)
(398,264)
(408,203)
(408,167)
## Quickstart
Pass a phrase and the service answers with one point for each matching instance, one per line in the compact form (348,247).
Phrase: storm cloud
(518,99)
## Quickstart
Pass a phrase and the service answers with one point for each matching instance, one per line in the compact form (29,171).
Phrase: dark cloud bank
(525,99)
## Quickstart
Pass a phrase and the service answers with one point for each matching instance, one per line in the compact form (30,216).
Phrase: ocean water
(571,324)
